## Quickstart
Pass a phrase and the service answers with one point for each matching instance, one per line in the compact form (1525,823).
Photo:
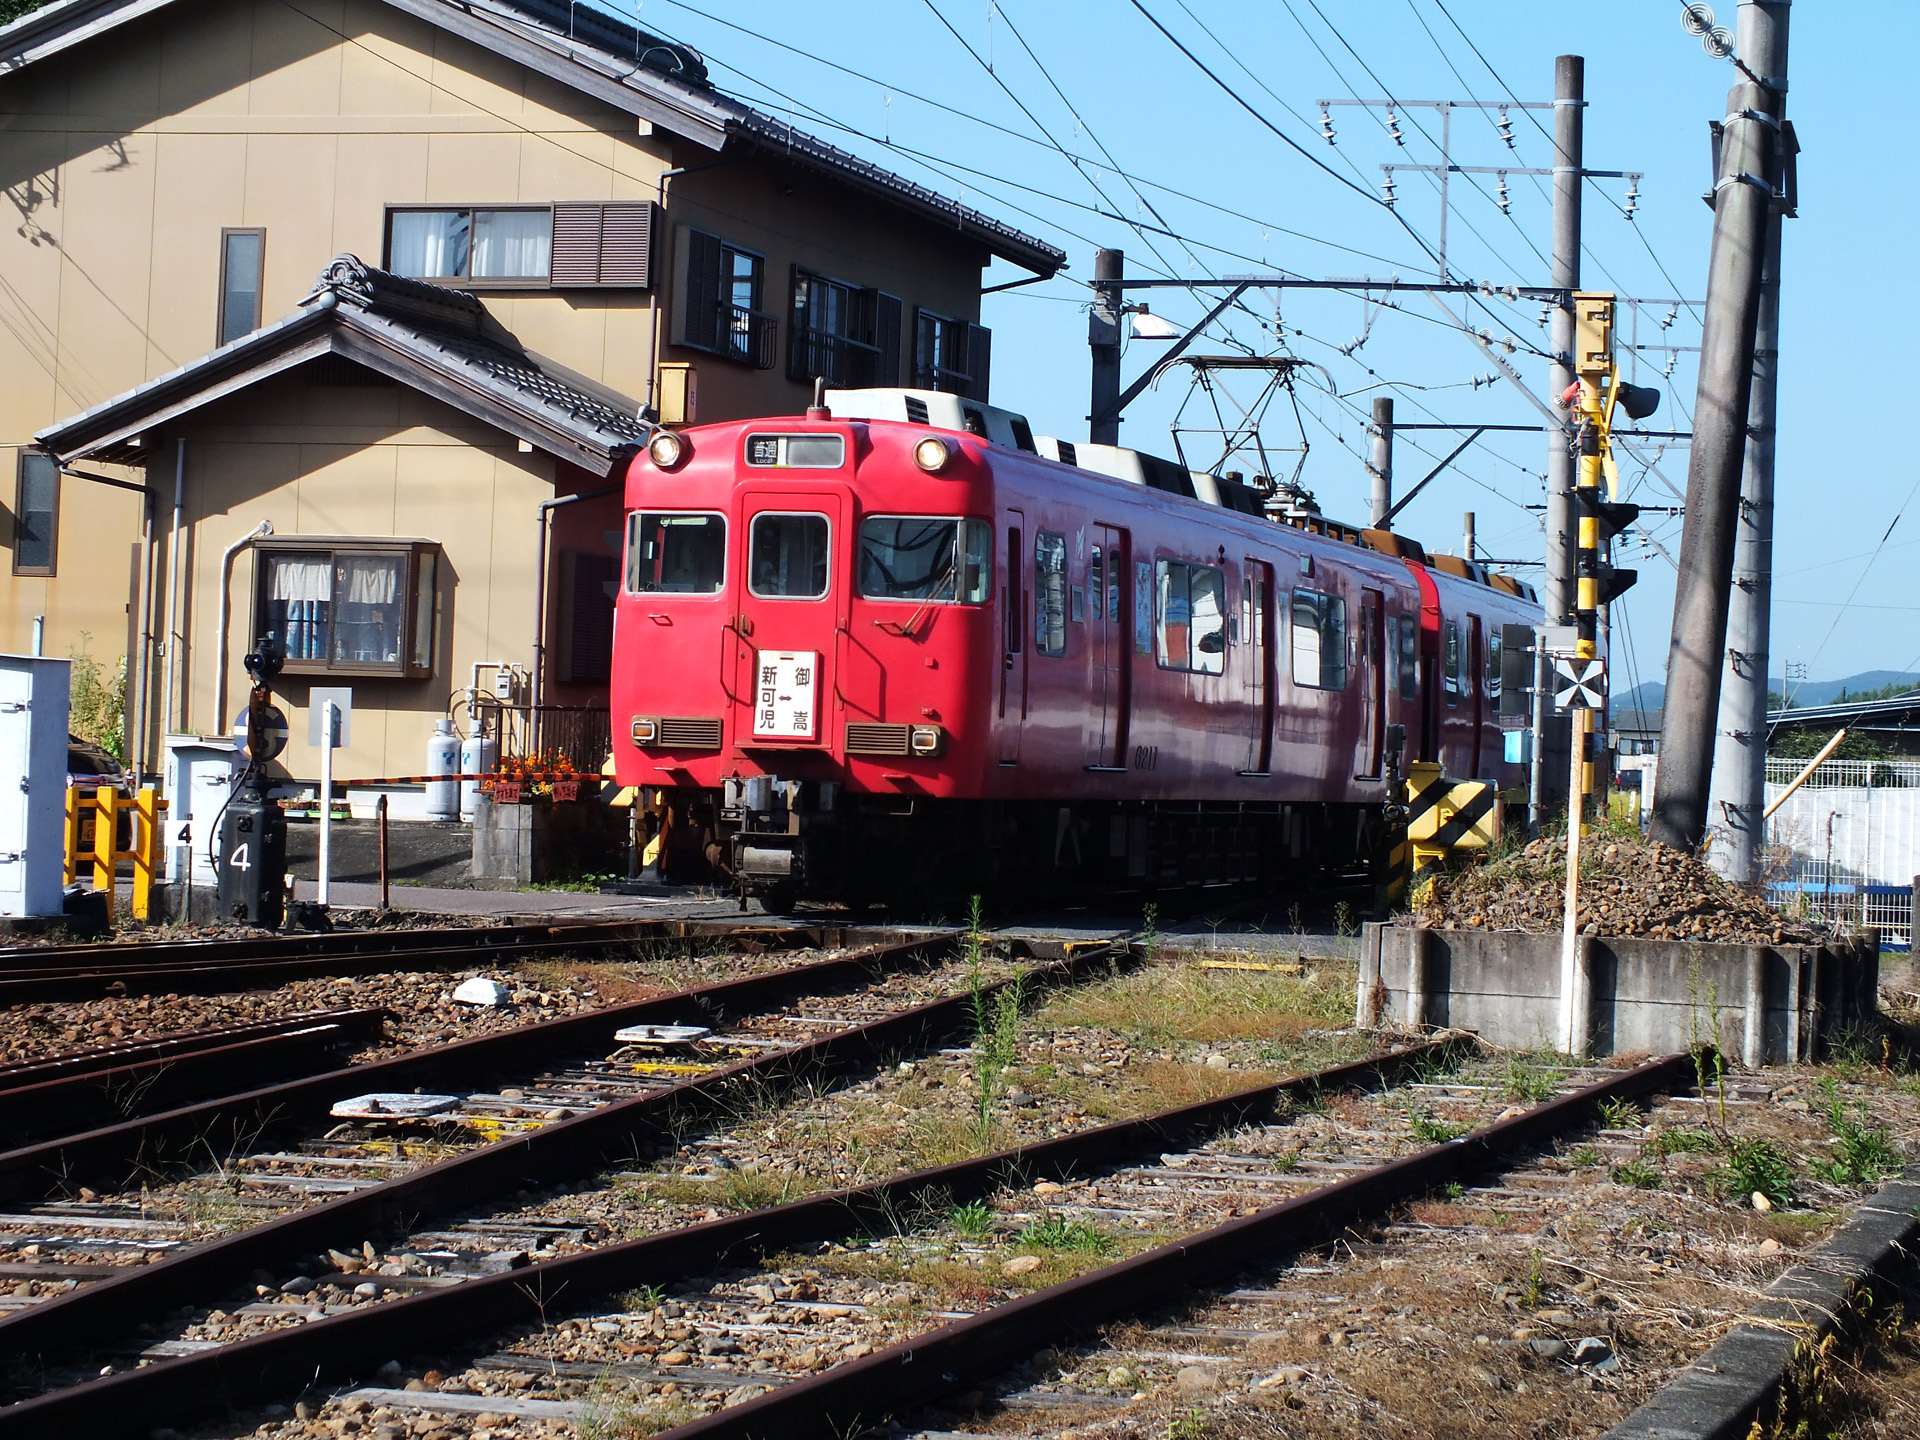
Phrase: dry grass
(1178,1001)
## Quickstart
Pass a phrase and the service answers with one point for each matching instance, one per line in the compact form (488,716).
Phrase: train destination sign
(783,702)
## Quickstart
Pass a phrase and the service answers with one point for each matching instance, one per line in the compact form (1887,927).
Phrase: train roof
(1011,430)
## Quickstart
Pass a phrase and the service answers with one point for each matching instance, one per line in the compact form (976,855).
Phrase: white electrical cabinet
(198,774)
(33,784)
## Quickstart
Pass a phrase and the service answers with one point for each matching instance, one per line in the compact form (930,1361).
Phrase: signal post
(1580,669)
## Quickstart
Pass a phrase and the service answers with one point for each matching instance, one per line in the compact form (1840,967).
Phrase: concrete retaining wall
(533,843)
(1768,1005)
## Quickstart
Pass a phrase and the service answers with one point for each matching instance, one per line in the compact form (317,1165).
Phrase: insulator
(1633,195)
(1673,358)
(1393,128)
(1386,191)
(1696,18)
(1506,128)
(1326,126)
(1718,42)
(1673,314)
(1502,199)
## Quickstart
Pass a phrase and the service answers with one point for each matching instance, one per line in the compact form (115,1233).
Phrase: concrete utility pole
(1103,337)
(1737,795)
(1750,150)
(1381,468)
(1569,155)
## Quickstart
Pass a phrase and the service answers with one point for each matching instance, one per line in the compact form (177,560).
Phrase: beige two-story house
(337,320)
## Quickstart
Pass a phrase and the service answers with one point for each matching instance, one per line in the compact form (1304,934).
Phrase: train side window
(1409,657)
(1493,663)
(1193,617)
(1450,661)
(1319,640)
(1016,631)
(1096,586)
(787,557)
(1142,607)
(1050,593)
(676,554)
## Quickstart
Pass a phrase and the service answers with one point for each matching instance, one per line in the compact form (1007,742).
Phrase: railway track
(189,967)
(705,1342)
(564,1120)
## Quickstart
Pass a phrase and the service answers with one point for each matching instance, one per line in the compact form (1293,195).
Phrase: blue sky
(1160,145)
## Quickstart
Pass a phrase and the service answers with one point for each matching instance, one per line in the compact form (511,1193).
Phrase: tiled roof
(442,342)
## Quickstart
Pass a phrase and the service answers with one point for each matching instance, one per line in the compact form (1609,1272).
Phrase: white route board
(783,704)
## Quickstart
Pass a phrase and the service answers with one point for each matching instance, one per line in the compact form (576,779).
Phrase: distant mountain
(1650,694)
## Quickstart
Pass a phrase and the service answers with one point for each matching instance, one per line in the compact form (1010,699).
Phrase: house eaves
(618,64)
(440,342)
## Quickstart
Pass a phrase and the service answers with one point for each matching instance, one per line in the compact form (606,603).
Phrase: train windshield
(676,554)
(925,558)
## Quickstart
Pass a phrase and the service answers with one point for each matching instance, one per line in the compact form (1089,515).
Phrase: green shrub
(1756,1167)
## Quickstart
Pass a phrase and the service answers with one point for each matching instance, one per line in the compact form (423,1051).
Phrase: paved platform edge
(1719,1396)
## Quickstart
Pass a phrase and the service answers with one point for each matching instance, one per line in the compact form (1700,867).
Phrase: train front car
(804,601)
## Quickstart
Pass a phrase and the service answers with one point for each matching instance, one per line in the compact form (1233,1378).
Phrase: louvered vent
(626,245)
(576,245)
(603,245)
(878,740)
(916,410)
(689,733)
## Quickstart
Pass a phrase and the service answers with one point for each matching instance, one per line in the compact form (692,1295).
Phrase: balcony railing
(749,336)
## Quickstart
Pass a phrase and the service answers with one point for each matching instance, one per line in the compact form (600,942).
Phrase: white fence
(1846,845)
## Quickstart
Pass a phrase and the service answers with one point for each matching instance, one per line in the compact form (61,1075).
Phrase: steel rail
(337,1347)
(121,1083)
(535,1157)
(129,972)
(137,1049)
(959,1355)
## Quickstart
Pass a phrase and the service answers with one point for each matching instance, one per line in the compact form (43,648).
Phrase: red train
(900,646)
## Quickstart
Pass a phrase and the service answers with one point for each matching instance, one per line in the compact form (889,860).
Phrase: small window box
(345,606)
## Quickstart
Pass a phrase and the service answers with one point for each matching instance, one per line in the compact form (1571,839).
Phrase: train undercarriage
(781,841)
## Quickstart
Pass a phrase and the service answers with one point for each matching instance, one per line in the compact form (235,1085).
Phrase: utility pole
(1743,193)
(1103,337)
(1737,795)
(1569,154)
(1381,470)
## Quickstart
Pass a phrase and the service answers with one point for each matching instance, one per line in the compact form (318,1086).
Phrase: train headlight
(645,731)
(666,449)
(932,454)
(929,742)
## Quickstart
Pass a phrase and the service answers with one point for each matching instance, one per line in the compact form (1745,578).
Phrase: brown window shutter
(591,632)
(626,244)
(979,361)
(703,290)
(886,338)
(576,245)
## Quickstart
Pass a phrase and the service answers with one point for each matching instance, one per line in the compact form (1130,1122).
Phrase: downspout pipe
(169,715)
(259,532)
(540,574)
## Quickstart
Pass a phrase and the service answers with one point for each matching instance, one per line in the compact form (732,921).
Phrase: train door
(790,603)
(1374,680)
(1257,640)
(1013,632)
(1109,672)
(1476,667)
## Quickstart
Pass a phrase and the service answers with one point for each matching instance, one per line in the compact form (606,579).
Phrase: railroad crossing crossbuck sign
(1579,684)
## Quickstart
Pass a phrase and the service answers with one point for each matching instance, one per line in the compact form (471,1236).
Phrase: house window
(951,355)
(36,514)
(1319,641)
(845,334)
(358,607)
(588,583)
(721,311)
(565,246)
(1192,612)
(242,262)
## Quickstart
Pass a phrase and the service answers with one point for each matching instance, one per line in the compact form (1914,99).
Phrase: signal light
(666,449)
(932,454)
(1610,516)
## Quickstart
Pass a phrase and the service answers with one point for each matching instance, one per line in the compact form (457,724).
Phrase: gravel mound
(1627,887)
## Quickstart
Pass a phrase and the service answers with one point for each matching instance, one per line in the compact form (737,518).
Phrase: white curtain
(429,243)
(371,582)
(302,577)
(512,244)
